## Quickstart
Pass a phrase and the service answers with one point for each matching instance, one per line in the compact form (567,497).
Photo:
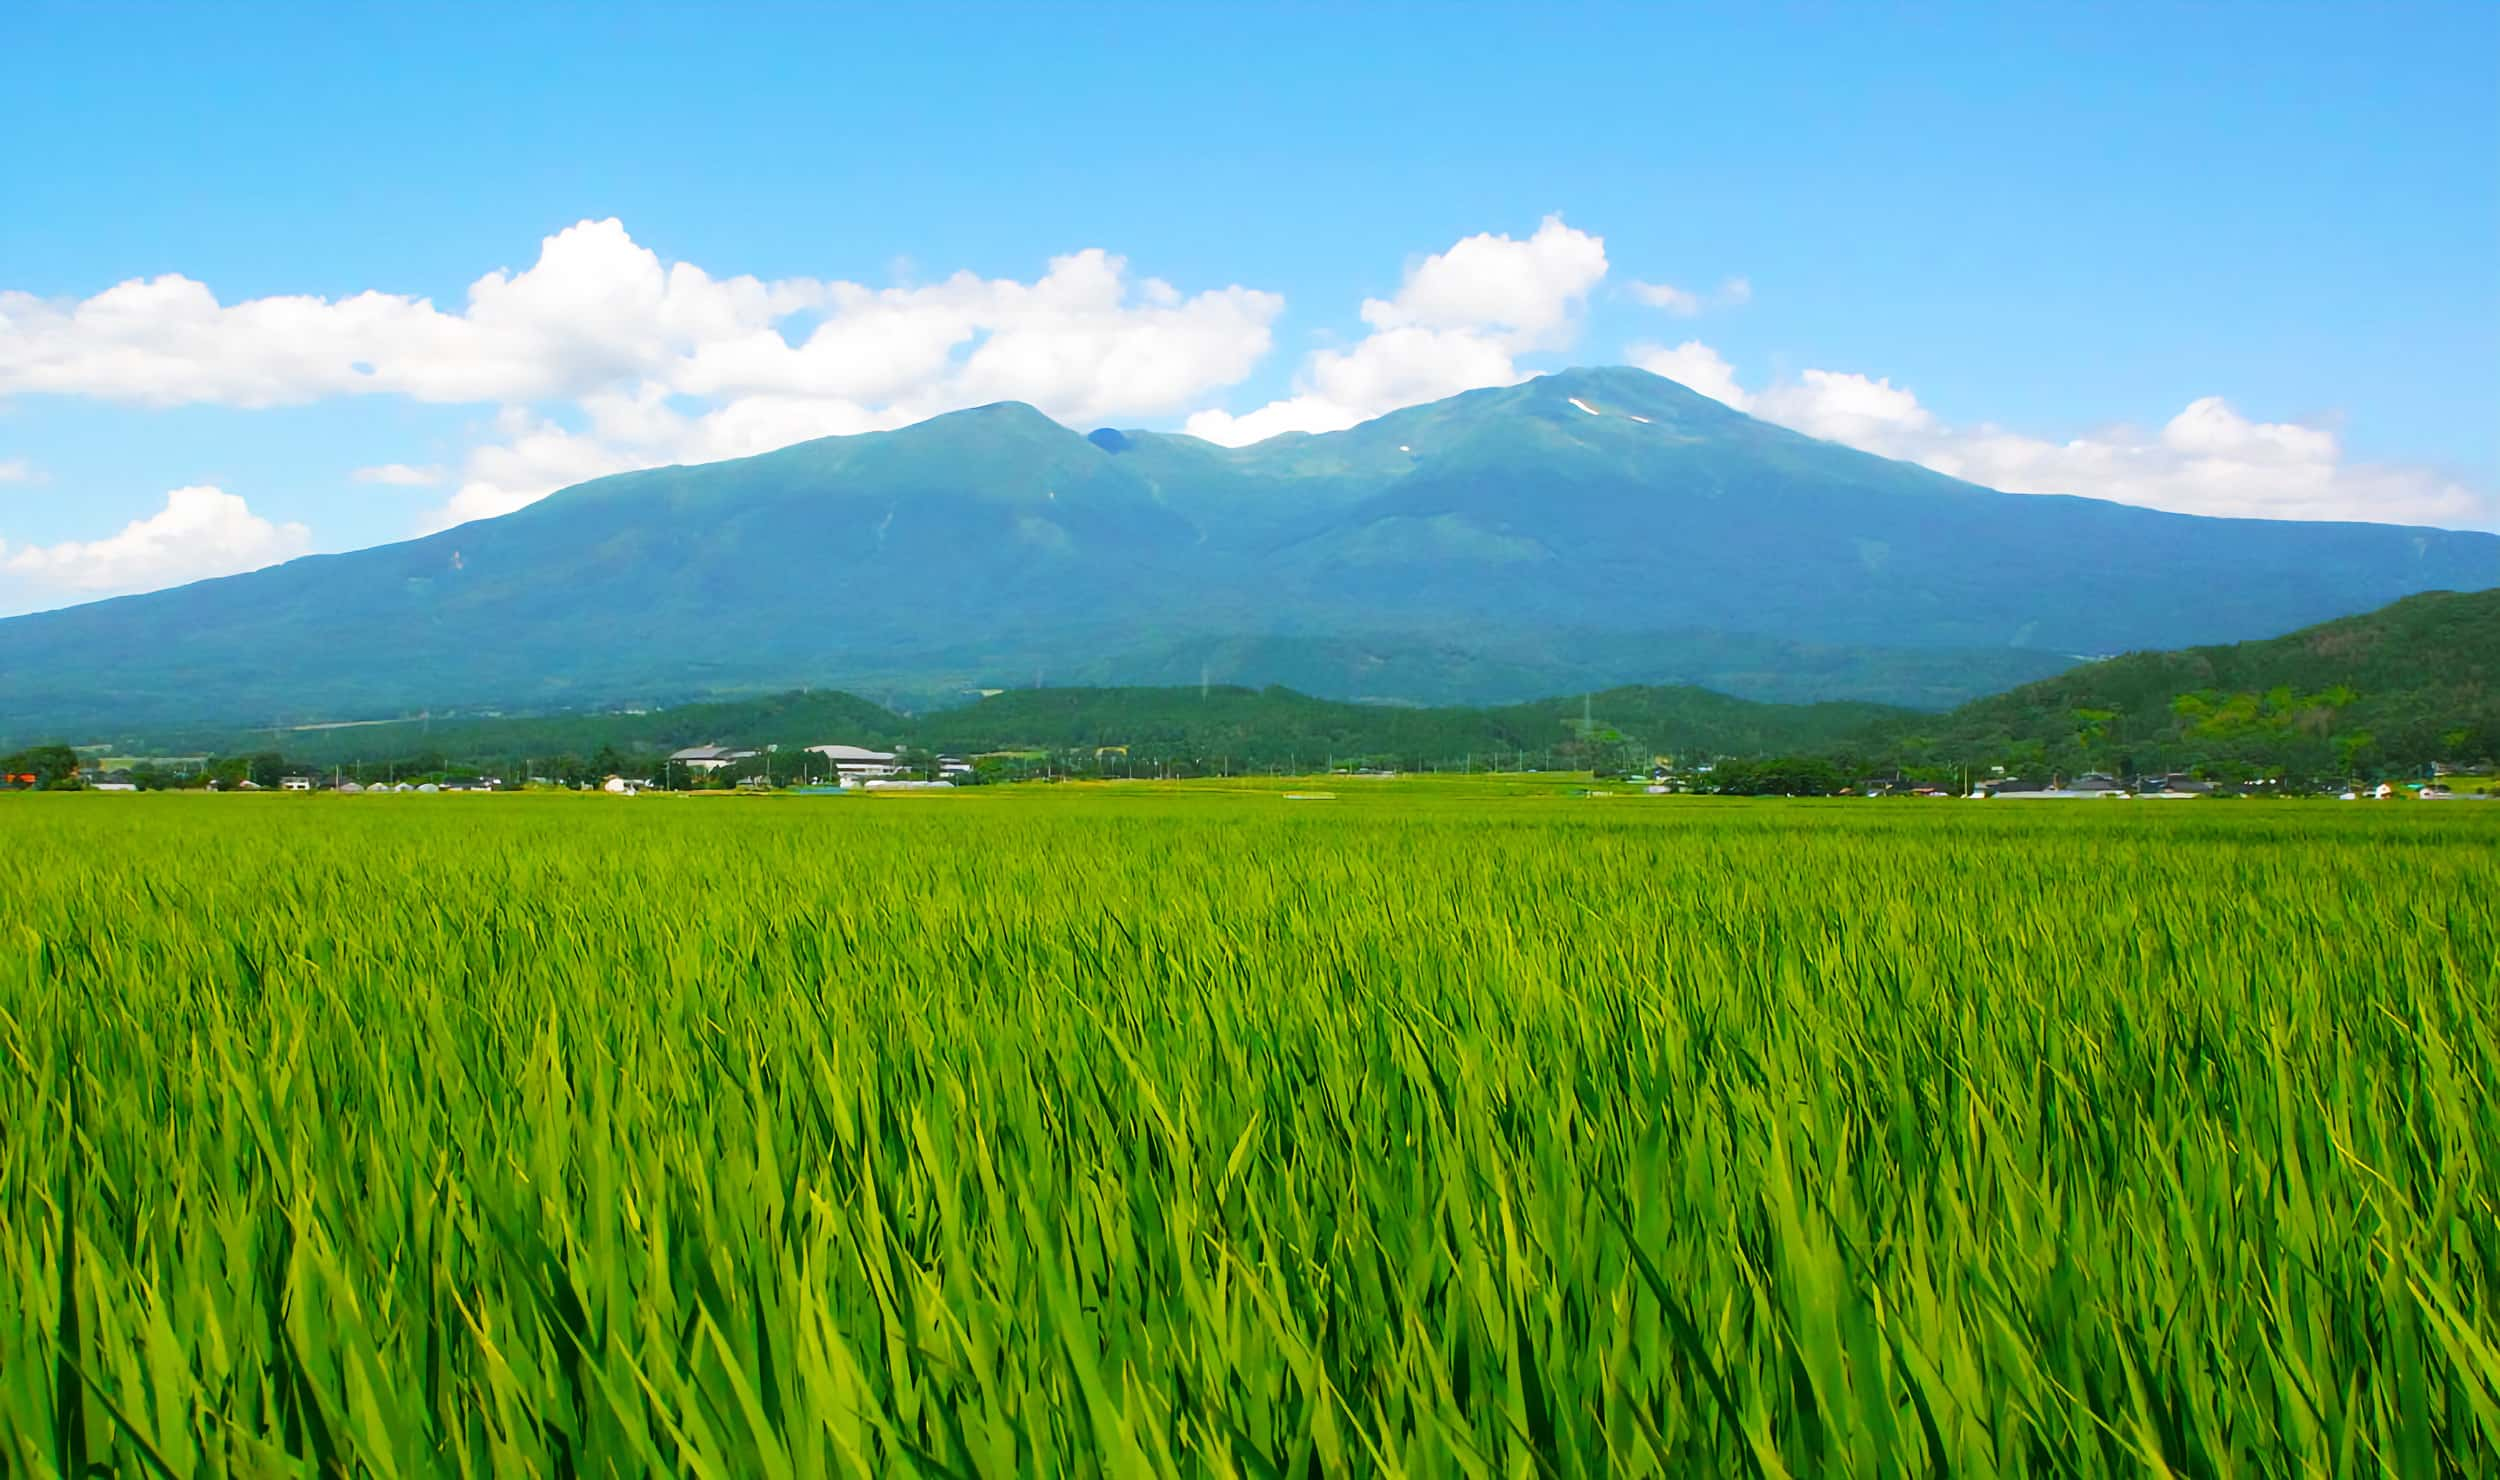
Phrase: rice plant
(1192,1132)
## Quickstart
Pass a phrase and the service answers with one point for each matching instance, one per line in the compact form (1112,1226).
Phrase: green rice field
(1430,1130)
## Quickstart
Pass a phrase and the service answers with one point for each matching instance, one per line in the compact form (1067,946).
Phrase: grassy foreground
(1159,1132)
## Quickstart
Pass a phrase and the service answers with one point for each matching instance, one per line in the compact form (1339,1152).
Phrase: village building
(854,764)
(2088,787)
(2176,784)
(711,757)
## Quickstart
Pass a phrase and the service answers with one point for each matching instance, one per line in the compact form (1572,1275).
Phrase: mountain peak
(1621,390)
(1013,418)
(1594,400)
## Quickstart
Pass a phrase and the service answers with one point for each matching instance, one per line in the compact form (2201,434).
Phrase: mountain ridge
(1572,511)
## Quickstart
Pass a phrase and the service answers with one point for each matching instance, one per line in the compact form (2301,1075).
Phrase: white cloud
(1457,322)
(598,311)
(601,322)
(2209,459)
(1673,299)
(600,357)
(1086,343)
(1693,364)
(594,307)
(201,532)
(1873,414)
(399,475)
(1529,289)
(1735,292)
(1293,414)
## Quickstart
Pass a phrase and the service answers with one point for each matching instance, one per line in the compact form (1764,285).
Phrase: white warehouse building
(853,764)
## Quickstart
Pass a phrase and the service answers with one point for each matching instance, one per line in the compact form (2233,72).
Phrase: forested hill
(1273,724)
(1257,727)
(2407,684)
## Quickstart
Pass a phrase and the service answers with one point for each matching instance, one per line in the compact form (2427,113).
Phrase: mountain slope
(1607,513)
(2411,683)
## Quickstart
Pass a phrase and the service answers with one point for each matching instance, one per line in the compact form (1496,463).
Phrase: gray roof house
(712,757)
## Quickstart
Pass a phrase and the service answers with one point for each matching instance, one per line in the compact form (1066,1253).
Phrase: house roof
(851,753)
(711,753)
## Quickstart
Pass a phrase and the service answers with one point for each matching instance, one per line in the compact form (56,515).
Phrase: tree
(1785,776)
(53,766)
(2353,751)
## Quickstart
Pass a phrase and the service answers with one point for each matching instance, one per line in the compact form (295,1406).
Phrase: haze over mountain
(1585,527)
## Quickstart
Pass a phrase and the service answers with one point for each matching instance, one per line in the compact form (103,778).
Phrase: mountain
(2393,689)
(1605,518)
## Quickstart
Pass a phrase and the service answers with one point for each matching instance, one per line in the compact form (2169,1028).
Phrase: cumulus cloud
(2208,459)
(1530,290)
(598,311)
(594,307)
(399,475)
(1086,342)
(1873,414)
(1696,365)
(2211,459)
(1458,321)
(602,323)
(201,532)
(600,357)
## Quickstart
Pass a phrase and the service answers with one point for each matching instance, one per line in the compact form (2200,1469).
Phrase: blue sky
(2227,259)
